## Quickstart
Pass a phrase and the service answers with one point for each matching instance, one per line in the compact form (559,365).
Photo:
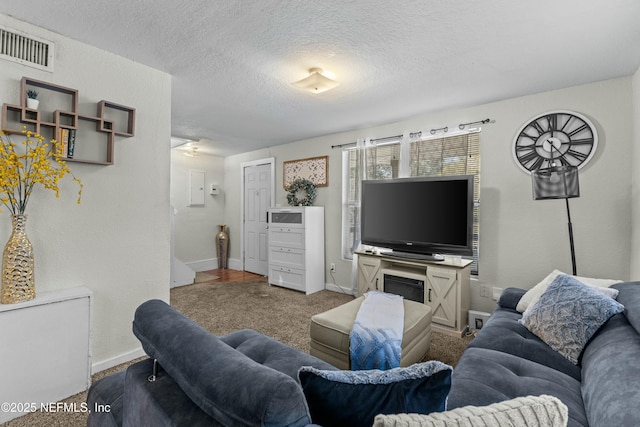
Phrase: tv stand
(411,255)
(446,284)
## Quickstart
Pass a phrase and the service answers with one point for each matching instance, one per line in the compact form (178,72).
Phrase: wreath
(301,185)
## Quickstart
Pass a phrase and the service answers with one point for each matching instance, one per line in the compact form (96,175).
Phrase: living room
(117,241)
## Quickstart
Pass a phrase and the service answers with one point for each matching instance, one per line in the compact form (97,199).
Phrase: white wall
(196,226)
(635,179)
(116,242)
(521,240)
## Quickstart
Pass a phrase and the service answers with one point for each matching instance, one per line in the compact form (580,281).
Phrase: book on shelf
(64,142)
(71,144)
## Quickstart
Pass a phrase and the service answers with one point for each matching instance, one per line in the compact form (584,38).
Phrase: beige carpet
(224,307)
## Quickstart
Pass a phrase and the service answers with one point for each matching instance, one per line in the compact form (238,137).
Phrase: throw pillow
(568,314)
(533,295)
(354,398)
(529,411)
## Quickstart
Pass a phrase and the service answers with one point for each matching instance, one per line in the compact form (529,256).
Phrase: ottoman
(330,330)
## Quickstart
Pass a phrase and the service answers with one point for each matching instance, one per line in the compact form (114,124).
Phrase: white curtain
(363,146)
(404,169)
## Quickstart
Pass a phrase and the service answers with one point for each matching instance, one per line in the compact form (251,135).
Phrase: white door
(257,199)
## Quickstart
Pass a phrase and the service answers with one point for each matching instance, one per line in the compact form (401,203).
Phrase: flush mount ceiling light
(193,152)
(316,82)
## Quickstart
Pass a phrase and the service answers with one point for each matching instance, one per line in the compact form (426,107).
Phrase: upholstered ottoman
(330,333)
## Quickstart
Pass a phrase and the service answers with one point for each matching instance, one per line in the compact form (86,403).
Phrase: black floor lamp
(558,182)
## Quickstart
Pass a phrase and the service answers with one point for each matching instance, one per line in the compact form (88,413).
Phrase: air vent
(25,49)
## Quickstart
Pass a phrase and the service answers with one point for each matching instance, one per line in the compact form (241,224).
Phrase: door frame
(271,161)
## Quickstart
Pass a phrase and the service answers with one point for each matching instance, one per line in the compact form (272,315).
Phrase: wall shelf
(58,110)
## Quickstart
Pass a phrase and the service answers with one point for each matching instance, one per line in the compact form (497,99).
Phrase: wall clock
(555,138)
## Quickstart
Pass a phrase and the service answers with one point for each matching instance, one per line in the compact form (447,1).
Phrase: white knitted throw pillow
(529,411)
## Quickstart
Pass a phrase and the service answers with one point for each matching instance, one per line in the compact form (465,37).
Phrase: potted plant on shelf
(32,99)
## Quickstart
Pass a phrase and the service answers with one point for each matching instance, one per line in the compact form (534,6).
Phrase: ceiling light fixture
(193,152)
(316,82)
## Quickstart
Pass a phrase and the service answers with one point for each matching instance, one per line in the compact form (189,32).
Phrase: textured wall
(521,240)
(196,226)
(635,241)
(116,242)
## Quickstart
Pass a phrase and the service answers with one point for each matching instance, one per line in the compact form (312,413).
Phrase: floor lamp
(558,182)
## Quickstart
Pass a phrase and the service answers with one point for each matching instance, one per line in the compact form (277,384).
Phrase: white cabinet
(46,349)
(296,248)
(446,285)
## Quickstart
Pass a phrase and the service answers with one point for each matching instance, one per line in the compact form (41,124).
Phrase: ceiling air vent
(25,49)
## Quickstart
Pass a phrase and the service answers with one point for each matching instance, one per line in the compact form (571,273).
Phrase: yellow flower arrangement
(23,166)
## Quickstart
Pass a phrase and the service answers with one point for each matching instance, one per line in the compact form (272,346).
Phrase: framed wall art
(315,169)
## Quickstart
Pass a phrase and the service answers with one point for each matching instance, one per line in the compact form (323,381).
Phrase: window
(451,155)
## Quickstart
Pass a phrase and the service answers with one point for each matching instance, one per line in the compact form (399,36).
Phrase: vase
(18,284)
(32,103)
(222,246)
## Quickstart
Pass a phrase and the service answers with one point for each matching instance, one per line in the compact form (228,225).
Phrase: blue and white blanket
(376,337)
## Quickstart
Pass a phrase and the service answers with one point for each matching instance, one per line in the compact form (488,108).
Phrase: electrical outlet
(477,319)
(333,268)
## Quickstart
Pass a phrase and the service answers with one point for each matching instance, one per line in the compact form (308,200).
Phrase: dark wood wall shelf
(58,110)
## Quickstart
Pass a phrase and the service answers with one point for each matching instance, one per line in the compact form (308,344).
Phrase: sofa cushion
(484,376)
(354,398)
(529,411)
(630,297)
(224,383)
(611,368)
(533,295)
(272,353)
(107,393)
(159,403)
(568,314)
(502,332)
(510,297)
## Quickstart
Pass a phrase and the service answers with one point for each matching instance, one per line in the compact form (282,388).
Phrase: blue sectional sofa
(506,360)
(202,379)
(246,378)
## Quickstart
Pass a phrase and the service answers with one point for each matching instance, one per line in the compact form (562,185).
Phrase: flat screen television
(419,217)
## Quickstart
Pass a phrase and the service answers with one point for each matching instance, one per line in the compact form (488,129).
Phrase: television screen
(428,215)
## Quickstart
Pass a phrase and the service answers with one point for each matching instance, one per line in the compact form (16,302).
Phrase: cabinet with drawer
(296,248)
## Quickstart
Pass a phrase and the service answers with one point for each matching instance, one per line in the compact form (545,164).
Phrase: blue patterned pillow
(354,398)
(568,314)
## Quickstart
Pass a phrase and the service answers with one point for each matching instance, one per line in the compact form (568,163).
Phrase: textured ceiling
(232,62)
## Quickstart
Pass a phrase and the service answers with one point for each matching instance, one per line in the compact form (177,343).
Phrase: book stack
(68,141)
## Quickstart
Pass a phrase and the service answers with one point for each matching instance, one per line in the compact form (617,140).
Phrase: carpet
(225,307)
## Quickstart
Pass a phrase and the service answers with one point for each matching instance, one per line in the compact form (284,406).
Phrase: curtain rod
(445,129)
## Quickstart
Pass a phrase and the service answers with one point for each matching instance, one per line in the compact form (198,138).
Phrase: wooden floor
(226,275)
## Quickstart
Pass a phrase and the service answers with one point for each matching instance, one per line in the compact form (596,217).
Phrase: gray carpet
(224,307)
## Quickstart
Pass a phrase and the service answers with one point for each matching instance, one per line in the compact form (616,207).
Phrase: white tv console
(446,285)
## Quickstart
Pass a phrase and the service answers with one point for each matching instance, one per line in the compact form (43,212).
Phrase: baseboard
(203,265)
(117,360)
(212,264)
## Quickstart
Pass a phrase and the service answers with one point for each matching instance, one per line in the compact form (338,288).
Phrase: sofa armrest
(227,385)
(510,297)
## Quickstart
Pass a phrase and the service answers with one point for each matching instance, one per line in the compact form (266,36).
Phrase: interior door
(257,199)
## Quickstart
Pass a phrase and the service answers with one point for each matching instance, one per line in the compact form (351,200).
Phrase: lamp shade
(558,182)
